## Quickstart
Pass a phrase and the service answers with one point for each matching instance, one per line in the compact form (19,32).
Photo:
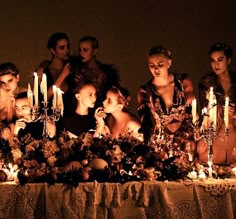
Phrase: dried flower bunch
(102,159)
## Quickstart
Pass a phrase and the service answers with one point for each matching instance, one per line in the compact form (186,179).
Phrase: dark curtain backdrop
(125,30)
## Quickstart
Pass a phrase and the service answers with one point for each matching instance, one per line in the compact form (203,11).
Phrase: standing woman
(163,105)
(104,76)
(223,82)
(56,69)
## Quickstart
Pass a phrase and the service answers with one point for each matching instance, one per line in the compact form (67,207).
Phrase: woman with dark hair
(119,122)
(57,69)
(163,105)
(223,82)
(9,88)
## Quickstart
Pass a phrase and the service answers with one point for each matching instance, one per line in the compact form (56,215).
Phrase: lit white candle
(44,88)
(215,113)
(193,175)
(226,112)
(210,169)
(194,110)
(54,100)
(202,176)
(36,95)
(210,110)
(234,170)
(60,100)
(205,119)
(30,97)
(10,175)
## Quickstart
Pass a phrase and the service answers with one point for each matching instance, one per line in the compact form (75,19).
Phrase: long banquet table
(147,199)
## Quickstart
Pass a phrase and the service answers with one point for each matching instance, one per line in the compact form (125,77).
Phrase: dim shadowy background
(125,30)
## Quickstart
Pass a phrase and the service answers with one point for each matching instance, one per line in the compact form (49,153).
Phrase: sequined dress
(156,117)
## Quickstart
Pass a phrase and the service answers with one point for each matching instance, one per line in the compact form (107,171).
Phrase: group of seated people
(95,101)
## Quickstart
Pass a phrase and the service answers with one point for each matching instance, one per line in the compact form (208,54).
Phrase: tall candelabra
(208,131)
(44,116)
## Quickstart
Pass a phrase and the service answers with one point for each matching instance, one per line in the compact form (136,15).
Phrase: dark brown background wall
(125,30)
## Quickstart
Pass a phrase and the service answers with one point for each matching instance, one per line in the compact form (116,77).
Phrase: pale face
(22,109)
(62,49)
(159,65)
(87,96)
(86,51)
(8,83)
(111,104)
(219,62)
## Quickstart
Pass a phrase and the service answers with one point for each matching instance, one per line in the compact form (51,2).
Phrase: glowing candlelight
(193,174)
(201,176)
(210,169)
(226,112)
(234,170)
(30,97)
(36,95)
(10,173)
(211,95)
(204,123)
(194,110)
(44,88)
(54,100)
(60,100)
(215,114)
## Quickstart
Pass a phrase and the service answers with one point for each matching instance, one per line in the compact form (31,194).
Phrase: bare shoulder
(133,127)
(44,64)
(133,122)
(188,89)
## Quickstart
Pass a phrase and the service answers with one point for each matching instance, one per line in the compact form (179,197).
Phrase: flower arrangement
(102,159)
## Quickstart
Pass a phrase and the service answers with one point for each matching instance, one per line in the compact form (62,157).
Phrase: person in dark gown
(82,120)
(57,69)
(103,76)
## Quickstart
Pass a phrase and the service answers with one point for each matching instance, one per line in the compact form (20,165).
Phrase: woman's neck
(118,115)
(92,63)
(162,81)
(225,81)
(81,110)
(57,63)
(223,77)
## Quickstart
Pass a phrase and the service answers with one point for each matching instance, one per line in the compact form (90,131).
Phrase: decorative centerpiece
(208,129)
(33,102)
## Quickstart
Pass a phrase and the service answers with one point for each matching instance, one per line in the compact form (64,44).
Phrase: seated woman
(82,120)
(163,105)
(119,122)
(223,82)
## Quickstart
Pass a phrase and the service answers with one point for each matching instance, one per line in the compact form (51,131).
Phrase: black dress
(33,128)
(77,124)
